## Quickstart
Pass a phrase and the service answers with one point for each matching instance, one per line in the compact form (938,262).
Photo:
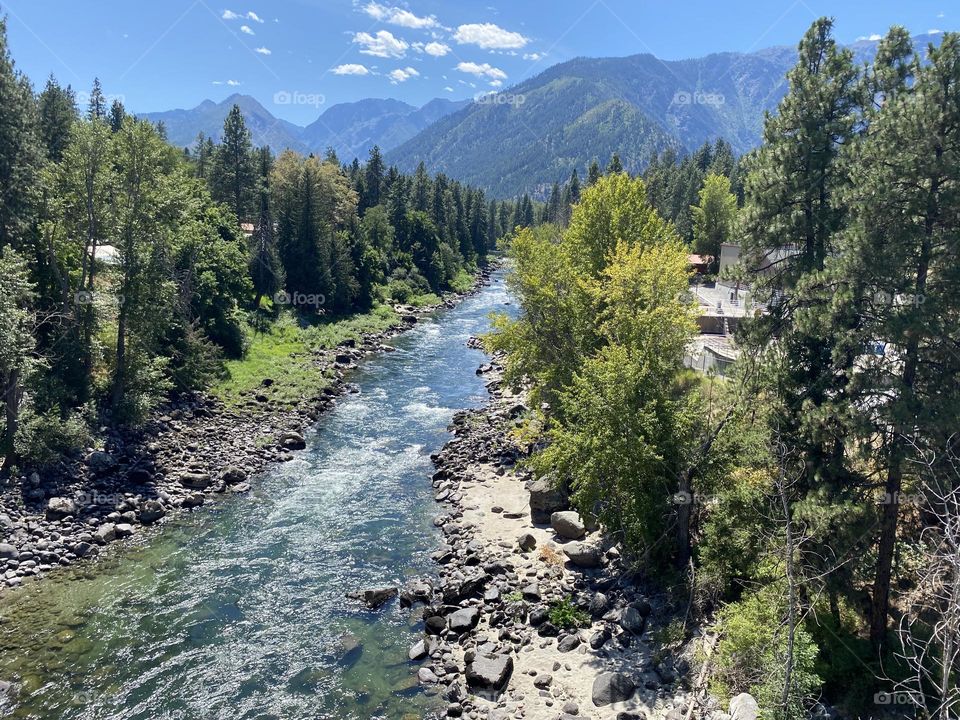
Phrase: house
(700,264)
(248,228)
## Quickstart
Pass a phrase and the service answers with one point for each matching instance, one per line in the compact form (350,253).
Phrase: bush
(43,437)
(751,656)
(564,614)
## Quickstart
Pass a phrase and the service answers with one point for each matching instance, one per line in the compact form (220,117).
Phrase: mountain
(539,131)
(183,126)
(351,129)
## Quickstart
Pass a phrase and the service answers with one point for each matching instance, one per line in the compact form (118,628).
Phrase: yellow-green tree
(715,217)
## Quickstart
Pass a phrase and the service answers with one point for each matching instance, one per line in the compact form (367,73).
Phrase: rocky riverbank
(190,454)
(535,615)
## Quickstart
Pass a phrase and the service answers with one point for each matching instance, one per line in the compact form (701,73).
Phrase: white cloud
(448,88)
(399,16)
(264,51)
(436,49)
(250,15)
(350,69)
(535,56)
(489,37)
(402,75)
(384,44)
(233,83)
(934,31)
(486,70)
(246,30)
(872,38)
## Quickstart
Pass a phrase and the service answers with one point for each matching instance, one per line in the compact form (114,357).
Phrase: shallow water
(238,610)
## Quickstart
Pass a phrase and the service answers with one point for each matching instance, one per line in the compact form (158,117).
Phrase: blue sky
(300,56)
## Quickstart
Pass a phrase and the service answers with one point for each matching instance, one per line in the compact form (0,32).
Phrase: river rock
(567,524)
(463,620)
(8,552)
(527,542)
(124,530)
(105,533)
(744,707)
(232,475)
(100,462)
(545,499)
(293,440)
(583,555)
(490,672)
(417,591)
(612,687)
(632,621)
(375,597)
(60,507)
(570,642)
(151,511)
(195,480)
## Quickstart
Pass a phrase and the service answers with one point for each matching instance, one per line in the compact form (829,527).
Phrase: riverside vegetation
(800,517)
(803,511)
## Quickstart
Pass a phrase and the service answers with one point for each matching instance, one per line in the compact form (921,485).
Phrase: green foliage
(715,217)
(750,656)
(564,614)
(43,437)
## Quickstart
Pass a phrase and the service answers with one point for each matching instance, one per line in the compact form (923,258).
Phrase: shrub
(751,656)
(43,437)
(564,614)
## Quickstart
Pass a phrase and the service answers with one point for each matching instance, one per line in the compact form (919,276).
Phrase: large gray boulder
(583,555)
(567,524)
(151,511)
(632,621)
(463,620)
(546,498)
(195,480)
(292,440)
(490,672)
(8,552)
(744,707)
(100,462)
(60,507)
(612,687)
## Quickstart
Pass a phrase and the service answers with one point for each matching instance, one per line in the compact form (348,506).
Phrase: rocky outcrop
(546,498)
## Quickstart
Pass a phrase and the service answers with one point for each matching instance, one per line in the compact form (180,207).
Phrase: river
(239,609)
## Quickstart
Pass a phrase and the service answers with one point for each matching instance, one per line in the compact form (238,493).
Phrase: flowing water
(238,610)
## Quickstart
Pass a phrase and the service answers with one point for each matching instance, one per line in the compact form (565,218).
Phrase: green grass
(285,355)
(424,300)
(463,282)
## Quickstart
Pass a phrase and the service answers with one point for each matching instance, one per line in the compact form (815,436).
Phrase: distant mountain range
(537,132)
(351,129)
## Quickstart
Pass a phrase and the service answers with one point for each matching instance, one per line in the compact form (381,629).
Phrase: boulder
(293,440)
(527,542)
(463,620)
(232,475)
(8,552)
(151,511)
(100,462)
(612,687)
(489,672)
(124,530)
(567,524)
(570,642)
(632,621)
(195,480)
(583,555)
(545,499)
(60,507)
(375,597)
(417,591)
(105,533)
(744,707)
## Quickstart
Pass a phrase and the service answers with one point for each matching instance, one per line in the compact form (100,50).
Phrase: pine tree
(615,165)
(58,112)
(375,176)
(20,151)
(97,107)
(265,267)
(233,172)
(593,174)
(554,207)
(117,113)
